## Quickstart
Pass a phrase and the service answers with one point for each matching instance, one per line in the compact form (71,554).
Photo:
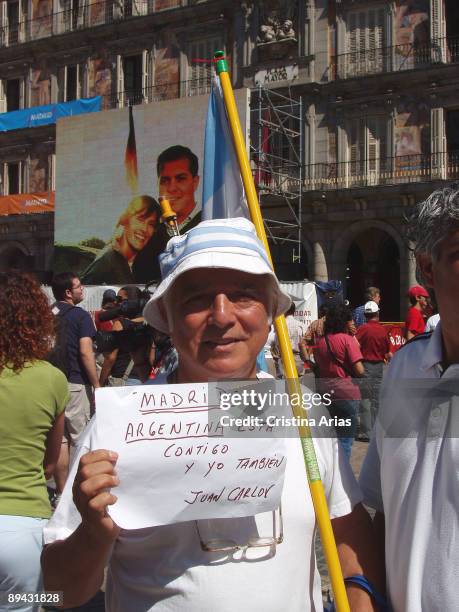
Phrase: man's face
(139,229)
(423,302)
(220,323)
(178,184)
(76,292)
(377,298)
(442,275)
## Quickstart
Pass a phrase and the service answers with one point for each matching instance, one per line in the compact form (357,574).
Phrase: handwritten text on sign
(175,463)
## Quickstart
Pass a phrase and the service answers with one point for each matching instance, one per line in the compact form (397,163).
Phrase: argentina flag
(222,192)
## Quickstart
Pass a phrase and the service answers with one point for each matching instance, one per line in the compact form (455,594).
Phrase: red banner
(26,203)
(396,335)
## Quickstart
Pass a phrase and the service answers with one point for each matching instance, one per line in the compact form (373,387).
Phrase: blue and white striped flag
(222,191)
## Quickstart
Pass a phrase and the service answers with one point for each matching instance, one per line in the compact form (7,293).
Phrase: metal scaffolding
(276,148)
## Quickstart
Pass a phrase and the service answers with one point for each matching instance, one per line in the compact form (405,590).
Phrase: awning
(26,203)
(45,115)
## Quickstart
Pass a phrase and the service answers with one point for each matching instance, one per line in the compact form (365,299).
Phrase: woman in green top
(33,395)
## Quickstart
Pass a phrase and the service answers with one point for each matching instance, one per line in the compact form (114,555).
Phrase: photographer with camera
(127,347)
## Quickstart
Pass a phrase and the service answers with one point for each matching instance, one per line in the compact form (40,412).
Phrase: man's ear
(425,265)
(196,182)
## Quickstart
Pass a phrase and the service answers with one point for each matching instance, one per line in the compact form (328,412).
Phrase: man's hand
(89,547)
(96,474)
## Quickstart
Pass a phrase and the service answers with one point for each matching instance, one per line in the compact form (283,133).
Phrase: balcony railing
(157,93)
(396,59)
(85,15)
(384,171)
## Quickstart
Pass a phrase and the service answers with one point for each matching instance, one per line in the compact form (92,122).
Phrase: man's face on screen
(178,185)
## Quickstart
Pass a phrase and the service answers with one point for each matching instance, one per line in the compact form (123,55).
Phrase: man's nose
(222,311)
(172,187)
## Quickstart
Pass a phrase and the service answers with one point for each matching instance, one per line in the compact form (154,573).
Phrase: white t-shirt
(432,323)
(296,332)
(413,477)
(164,568)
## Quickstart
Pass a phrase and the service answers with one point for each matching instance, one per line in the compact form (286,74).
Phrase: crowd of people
(199,325)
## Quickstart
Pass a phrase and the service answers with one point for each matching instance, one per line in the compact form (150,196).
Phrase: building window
(452,29)
(73,16)
(133,8)
(13,22)
(69,83)
(199,73)
(72,83)
(132,71)
(12,180)
(134,78)
(452,136)
(13,94)
(14,183)
(365,41)
(366,151)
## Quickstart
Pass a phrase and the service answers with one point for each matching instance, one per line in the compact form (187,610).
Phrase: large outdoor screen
(111,168)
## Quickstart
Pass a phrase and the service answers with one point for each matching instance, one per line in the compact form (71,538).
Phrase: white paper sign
(178,464)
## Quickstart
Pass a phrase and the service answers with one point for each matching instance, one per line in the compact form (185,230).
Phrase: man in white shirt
(217,300)
(296,332)
(411,473)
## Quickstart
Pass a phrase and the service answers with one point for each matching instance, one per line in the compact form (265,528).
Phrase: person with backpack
(33,395)
(73,353)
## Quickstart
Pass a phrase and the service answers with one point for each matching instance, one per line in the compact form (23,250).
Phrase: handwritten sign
(177,463)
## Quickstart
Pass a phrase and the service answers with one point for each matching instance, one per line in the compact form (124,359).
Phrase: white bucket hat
(220,243)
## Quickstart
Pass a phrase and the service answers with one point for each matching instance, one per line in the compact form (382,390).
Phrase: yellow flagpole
(310,459)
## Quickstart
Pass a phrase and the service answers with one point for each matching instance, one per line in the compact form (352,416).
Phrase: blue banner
(47,114)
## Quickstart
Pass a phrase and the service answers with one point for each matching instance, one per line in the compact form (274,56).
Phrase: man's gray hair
(430,221)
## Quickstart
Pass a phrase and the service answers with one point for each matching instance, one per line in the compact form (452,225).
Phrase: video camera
(136,336)
(129,309)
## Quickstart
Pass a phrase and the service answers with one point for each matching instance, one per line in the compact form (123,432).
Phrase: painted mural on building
(40,86)
(100,78)
(411,33)
(42,18)
(39,169)
(412,134)
(163,5)
(167,68)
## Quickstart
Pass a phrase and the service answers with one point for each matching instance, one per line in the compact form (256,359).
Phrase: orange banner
(26,203)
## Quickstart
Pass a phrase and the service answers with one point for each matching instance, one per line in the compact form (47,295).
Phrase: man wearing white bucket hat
(217,299)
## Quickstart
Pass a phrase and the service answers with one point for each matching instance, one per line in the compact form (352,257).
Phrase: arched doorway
(373,259)
(14,257)
(286,264)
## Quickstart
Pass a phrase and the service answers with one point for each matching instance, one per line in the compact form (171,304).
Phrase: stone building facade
(380,119)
